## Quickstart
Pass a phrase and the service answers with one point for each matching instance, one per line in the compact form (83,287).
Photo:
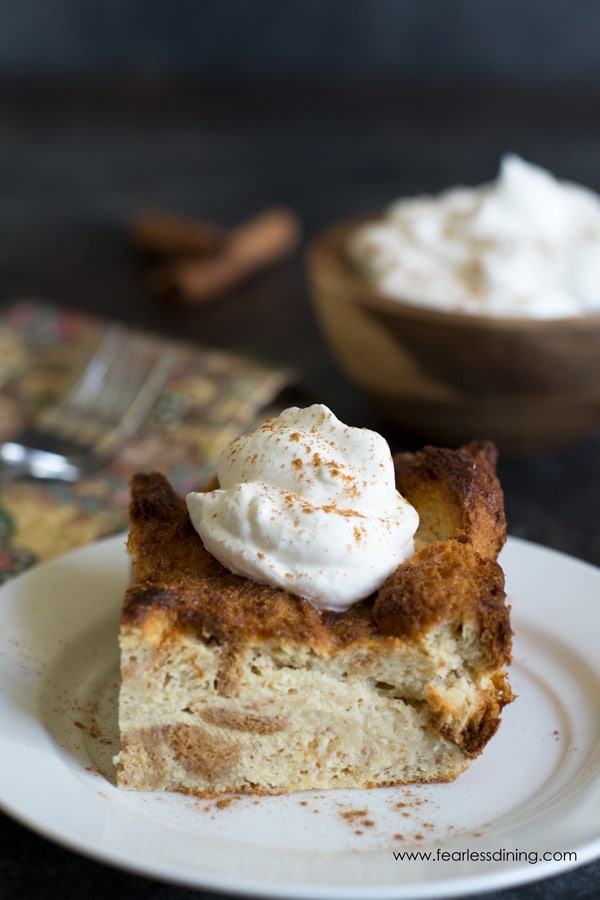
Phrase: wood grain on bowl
(530,385)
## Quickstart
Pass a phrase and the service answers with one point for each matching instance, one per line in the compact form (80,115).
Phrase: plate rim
(162,871)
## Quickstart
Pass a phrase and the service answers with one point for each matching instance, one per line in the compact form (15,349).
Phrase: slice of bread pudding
(230,685)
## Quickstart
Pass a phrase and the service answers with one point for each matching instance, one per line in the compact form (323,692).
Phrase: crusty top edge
(176,579)
(457,493)
(448,582)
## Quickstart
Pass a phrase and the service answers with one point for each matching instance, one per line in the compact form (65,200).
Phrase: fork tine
(121,381)
(113,342)
(126,377)
(134,405)
(108,403)
(121,386)
(89,383)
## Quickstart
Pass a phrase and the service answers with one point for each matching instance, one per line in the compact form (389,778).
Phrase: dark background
(553,42)
(337,58)
(219,109)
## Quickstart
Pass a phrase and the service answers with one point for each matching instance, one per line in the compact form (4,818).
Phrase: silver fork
(105,406)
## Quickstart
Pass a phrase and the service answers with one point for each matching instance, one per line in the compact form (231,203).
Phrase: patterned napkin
(210,397)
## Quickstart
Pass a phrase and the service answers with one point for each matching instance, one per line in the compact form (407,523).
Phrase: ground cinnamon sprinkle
(93,730)
(351,814)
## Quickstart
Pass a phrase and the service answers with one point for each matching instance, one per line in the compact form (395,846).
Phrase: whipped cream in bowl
(472,313)
(526,245)
(309,505)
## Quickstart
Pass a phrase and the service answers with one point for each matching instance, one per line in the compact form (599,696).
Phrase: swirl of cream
(309,505)
(524,245)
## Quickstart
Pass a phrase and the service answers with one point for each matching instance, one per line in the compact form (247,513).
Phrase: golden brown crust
(459,500)
(448,582)
(179,582)
(457,494)
(481,726)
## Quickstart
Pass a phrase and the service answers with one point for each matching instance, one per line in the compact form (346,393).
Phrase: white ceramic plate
(535,790)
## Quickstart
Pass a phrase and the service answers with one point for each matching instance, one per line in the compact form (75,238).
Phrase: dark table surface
(78,160)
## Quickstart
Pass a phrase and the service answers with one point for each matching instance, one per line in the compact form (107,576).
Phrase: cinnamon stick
(250,247)
(161,234)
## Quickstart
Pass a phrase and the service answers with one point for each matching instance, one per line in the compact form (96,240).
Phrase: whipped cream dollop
(526,245)
(307,504)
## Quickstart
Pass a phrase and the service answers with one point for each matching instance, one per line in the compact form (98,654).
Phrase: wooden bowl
(529,385)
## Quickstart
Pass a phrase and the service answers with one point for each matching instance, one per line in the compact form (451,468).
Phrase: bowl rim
(327,247)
